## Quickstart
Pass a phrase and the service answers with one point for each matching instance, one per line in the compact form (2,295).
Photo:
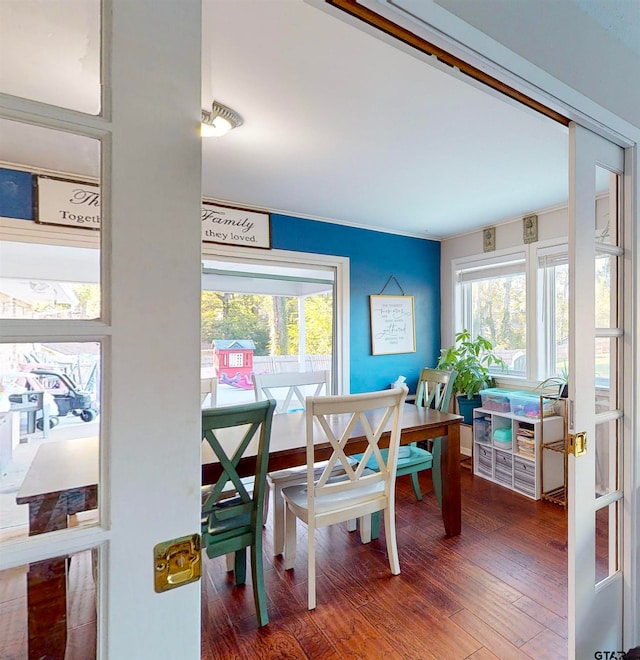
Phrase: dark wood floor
(499,590)
(496,591)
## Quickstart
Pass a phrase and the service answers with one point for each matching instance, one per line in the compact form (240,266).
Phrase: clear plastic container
(482,429)
(496,399)
(528,405)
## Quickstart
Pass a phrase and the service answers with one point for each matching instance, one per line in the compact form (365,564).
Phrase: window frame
(545,295)
(340,265)
(502,262)
(538,365)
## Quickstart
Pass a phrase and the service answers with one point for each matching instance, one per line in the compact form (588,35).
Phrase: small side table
(30,403)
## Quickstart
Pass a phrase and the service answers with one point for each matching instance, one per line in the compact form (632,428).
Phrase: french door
(107,94)
(596,420)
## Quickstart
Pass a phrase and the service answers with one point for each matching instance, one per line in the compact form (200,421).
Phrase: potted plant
(471,358)
(560,380)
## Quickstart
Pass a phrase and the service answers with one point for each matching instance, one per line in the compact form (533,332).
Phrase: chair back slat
(251,419)
(229,464)
(334,419)
(290,390)
(435,387)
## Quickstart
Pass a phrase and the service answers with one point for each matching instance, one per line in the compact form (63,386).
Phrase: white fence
(276,364)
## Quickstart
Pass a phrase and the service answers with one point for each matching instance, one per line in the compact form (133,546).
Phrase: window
(492,301)
(284,310)
(553,310)
(40,280)
(492,294)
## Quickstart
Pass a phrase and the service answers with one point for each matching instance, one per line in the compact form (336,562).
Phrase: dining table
(288,449)
(63,480)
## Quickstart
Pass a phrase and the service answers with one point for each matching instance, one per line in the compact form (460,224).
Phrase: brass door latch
(177,562)
(577,444)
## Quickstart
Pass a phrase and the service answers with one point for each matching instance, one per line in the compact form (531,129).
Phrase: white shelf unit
(508,467)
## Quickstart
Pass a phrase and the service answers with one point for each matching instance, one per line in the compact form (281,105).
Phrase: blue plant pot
(466,406)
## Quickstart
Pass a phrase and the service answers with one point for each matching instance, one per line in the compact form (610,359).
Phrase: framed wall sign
(233,226)
(530,229)
(69,203)
(489,239)
(393,328)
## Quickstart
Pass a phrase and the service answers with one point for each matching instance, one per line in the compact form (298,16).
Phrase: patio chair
(208,391)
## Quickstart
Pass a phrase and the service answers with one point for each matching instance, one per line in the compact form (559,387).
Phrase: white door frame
(595,621)
(154,191)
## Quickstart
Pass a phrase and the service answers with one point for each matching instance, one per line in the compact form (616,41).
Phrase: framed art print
(393,328)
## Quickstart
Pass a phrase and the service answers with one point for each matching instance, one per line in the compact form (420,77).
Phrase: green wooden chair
(232,524)
(434,390)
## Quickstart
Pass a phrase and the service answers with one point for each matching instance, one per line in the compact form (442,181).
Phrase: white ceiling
(621,18)
(338,124)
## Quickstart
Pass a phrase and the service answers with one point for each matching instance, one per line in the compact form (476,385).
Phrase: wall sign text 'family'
(75,204)
(232,226)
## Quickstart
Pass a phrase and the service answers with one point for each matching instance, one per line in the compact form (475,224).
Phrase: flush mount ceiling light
(219,121)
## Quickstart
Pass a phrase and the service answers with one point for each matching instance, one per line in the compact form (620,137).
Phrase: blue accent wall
(16,194)
(374,257)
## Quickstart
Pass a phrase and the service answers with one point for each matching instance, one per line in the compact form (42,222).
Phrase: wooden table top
(288,437)
(60,466)
(70,464)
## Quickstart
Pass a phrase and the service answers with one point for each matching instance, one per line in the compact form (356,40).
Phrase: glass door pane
(50,52)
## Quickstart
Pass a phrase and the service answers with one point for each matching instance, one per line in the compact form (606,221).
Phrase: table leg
(47,580)
(450,470)
(47,609)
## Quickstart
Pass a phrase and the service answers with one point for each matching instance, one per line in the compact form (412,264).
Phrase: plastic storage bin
(528,405)
(482,429)
(502,438)
(496,399)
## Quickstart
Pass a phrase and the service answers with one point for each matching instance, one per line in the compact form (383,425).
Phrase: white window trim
(559,245)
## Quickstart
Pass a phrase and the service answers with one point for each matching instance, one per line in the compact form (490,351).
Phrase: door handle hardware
(577,443)
(177,562)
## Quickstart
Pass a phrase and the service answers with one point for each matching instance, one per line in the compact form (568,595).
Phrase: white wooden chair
(208,389)
(290,391)
(357,492)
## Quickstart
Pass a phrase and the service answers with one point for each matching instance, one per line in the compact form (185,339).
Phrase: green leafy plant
(559,380)
(471,358)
